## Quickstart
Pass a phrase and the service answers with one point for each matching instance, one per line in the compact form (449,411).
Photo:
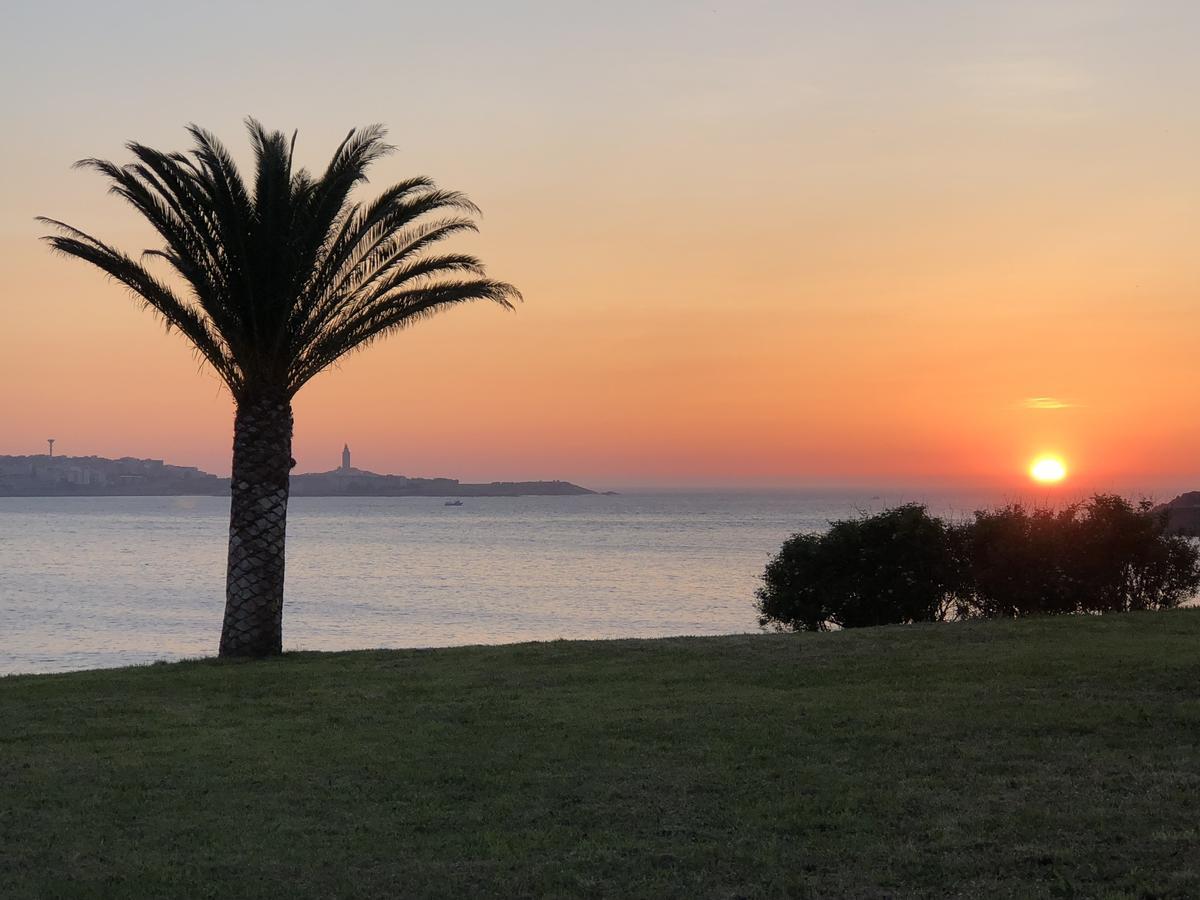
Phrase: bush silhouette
(1106,554)
(1020,562)
(899,566)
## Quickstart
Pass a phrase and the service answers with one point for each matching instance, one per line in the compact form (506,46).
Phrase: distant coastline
(1183,514)
(44,475)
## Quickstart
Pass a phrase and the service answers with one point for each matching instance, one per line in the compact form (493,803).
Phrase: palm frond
(174,311)
(389,313)
(287,278)
(372,262)
(158,189)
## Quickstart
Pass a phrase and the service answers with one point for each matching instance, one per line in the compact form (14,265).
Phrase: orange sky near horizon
(782,246)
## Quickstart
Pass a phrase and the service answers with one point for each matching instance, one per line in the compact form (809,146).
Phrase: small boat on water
(454,503)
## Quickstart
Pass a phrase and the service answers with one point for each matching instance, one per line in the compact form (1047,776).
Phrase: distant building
(346,458)
(46,475)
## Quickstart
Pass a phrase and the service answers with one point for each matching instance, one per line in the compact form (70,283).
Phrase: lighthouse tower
(346,458)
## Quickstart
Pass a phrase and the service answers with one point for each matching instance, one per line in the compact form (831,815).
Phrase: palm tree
(271,285)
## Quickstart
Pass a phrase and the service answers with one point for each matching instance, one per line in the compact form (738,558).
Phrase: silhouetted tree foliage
(903,565)
(1104,555)
(899,566)
(1020,562)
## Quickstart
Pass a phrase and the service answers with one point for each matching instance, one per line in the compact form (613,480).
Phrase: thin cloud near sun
(1047,403)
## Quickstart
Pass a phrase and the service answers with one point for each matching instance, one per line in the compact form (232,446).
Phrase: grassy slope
(1036,758)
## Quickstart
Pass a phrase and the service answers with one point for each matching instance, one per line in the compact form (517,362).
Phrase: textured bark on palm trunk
(262,461)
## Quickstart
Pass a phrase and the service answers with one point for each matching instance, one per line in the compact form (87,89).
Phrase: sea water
(89,582)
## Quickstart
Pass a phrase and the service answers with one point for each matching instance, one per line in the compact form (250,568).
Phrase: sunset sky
(761,243)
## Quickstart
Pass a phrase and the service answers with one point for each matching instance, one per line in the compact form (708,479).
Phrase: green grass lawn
(1055,757)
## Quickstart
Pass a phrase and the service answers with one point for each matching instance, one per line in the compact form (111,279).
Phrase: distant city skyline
(764,243)
(62,457)
(45,475)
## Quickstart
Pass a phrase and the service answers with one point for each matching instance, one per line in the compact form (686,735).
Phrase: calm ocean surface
(96,582)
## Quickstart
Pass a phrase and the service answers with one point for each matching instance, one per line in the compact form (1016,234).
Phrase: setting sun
(1048,469)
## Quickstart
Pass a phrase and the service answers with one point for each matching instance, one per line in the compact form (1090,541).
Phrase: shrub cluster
(904,565)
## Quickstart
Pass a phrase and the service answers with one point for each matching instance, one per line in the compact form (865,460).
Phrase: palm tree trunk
(262,462)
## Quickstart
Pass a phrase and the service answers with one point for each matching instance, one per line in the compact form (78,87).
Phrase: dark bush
(903,565)
(1019,562)
(899,566)
(1104,555)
